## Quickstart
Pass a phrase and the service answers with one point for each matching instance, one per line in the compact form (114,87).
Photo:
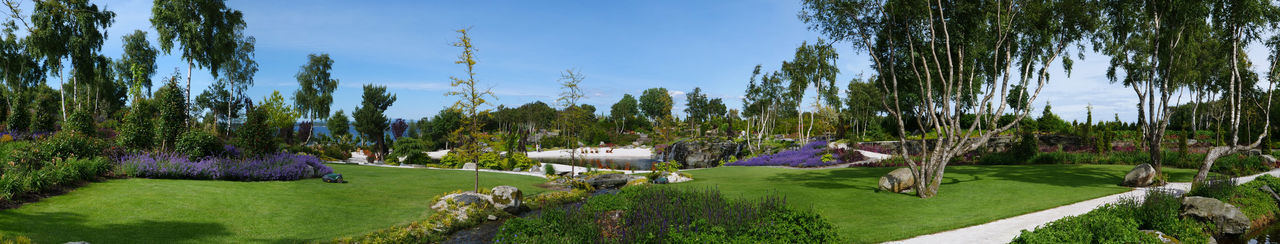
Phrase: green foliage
(12,239)
(317,85)
(205,29)
(49,175)
(648,214)
(171,119)
(1028,146)
(63,145)
(1121,222)
(279,114)
(435,229)
(136,132)
(137,64)
(827,157)
(198,144)
(20,118)
(43,119)
(370,120)
(555,198)
(655,103)
(81,121)
(671,166)
(548,169)
(412,149)
(338,124)
(255,137)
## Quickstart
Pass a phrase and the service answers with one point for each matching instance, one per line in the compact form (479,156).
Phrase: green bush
(171,116)
(1221,189)
(49,175)
(1122,222)
(255,137)
(548,169)
(136,131)
(1253,201)
(81,121)
(651,214)
(20,119)
(198,144)
(63,145)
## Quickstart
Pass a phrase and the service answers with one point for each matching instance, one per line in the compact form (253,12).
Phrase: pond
(611,163)
(1267,234)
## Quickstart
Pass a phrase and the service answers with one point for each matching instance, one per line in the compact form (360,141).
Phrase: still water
(615,163)
(1268,234)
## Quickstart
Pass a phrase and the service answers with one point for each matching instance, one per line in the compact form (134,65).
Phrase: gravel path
(1004,230)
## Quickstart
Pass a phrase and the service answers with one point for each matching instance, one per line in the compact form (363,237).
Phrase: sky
(622,47)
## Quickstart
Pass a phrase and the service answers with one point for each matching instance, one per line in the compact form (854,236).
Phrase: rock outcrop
(1228,218)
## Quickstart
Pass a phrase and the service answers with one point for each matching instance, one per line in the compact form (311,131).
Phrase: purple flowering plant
(269,167)
(809,155)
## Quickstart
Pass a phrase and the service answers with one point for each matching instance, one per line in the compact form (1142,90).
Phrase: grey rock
(507,198)
(469,166)
(1268,190)
(898,180)
(461,202)
(677,178)
(1268,158)
(1164,238)
(309,172)
(702,153)
(1141,176)
(611,181)
(1228,218)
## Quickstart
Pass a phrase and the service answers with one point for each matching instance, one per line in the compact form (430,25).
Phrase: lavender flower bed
(809,155)
(278,166)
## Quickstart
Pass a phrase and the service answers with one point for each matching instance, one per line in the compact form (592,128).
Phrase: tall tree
(139,61)
(71,29)
(337,124)
(280,115)
(696,109)
(813,65)
(862,98)
(655,103)
(206,30)
(625,109)
(1239,24)
(317,84)
(370,117)
(1155,44)
(937,61)
(238,72)
(574,116)
(471,101)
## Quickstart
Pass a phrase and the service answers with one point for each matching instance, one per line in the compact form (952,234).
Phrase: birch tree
(937,61)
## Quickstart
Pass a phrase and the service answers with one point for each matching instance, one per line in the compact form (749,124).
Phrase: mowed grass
(191,211)
(969,195)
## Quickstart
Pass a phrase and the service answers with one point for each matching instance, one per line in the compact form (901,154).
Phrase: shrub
(548,169)
(171,116)
(136,132)
(64,145)
(278,166)
(4,239)
(1221,188)
(649,214)
(49,175)
(80,122)
(20,119)
(255,137)
(199,144)
(1121,223)
(435,229)
(555,198)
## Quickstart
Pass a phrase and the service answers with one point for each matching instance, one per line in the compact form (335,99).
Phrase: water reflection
(1269,234)
(611,164)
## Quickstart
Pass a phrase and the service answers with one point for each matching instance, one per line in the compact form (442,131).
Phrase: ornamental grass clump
(809,155)
(270,167)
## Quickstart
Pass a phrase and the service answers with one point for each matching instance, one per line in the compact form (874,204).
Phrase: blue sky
(623,47)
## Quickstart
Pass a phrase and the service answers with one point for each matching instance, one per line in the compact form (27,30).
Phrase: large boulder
(469,166)
(507,198)
(898,180)
(701,153)
(1228,218)
(611,181)
(458,204)
(677,178)
(1141,176)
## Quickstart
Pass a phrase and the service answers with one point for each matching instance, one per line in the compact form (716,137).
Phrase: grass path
(970,195)
(189,211)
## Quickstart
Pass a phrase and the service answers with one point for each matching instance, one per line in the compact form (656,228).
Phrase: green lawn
(969,195)
(189,211)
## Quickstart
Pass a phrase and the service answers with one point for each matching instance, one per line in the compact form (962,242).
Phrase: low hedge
(1123,222)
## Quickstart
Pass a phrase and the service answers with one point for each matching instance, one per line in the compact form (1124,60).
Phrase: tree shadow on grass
(63,227)
(1057,175)
(847,178)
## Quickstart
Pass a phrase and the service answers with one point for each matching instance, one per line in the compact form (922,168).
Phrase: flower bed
(813,154)
(278,166)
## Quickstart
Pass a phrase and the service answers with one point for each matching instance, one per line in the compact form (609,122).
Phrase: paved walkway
(1004,230)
